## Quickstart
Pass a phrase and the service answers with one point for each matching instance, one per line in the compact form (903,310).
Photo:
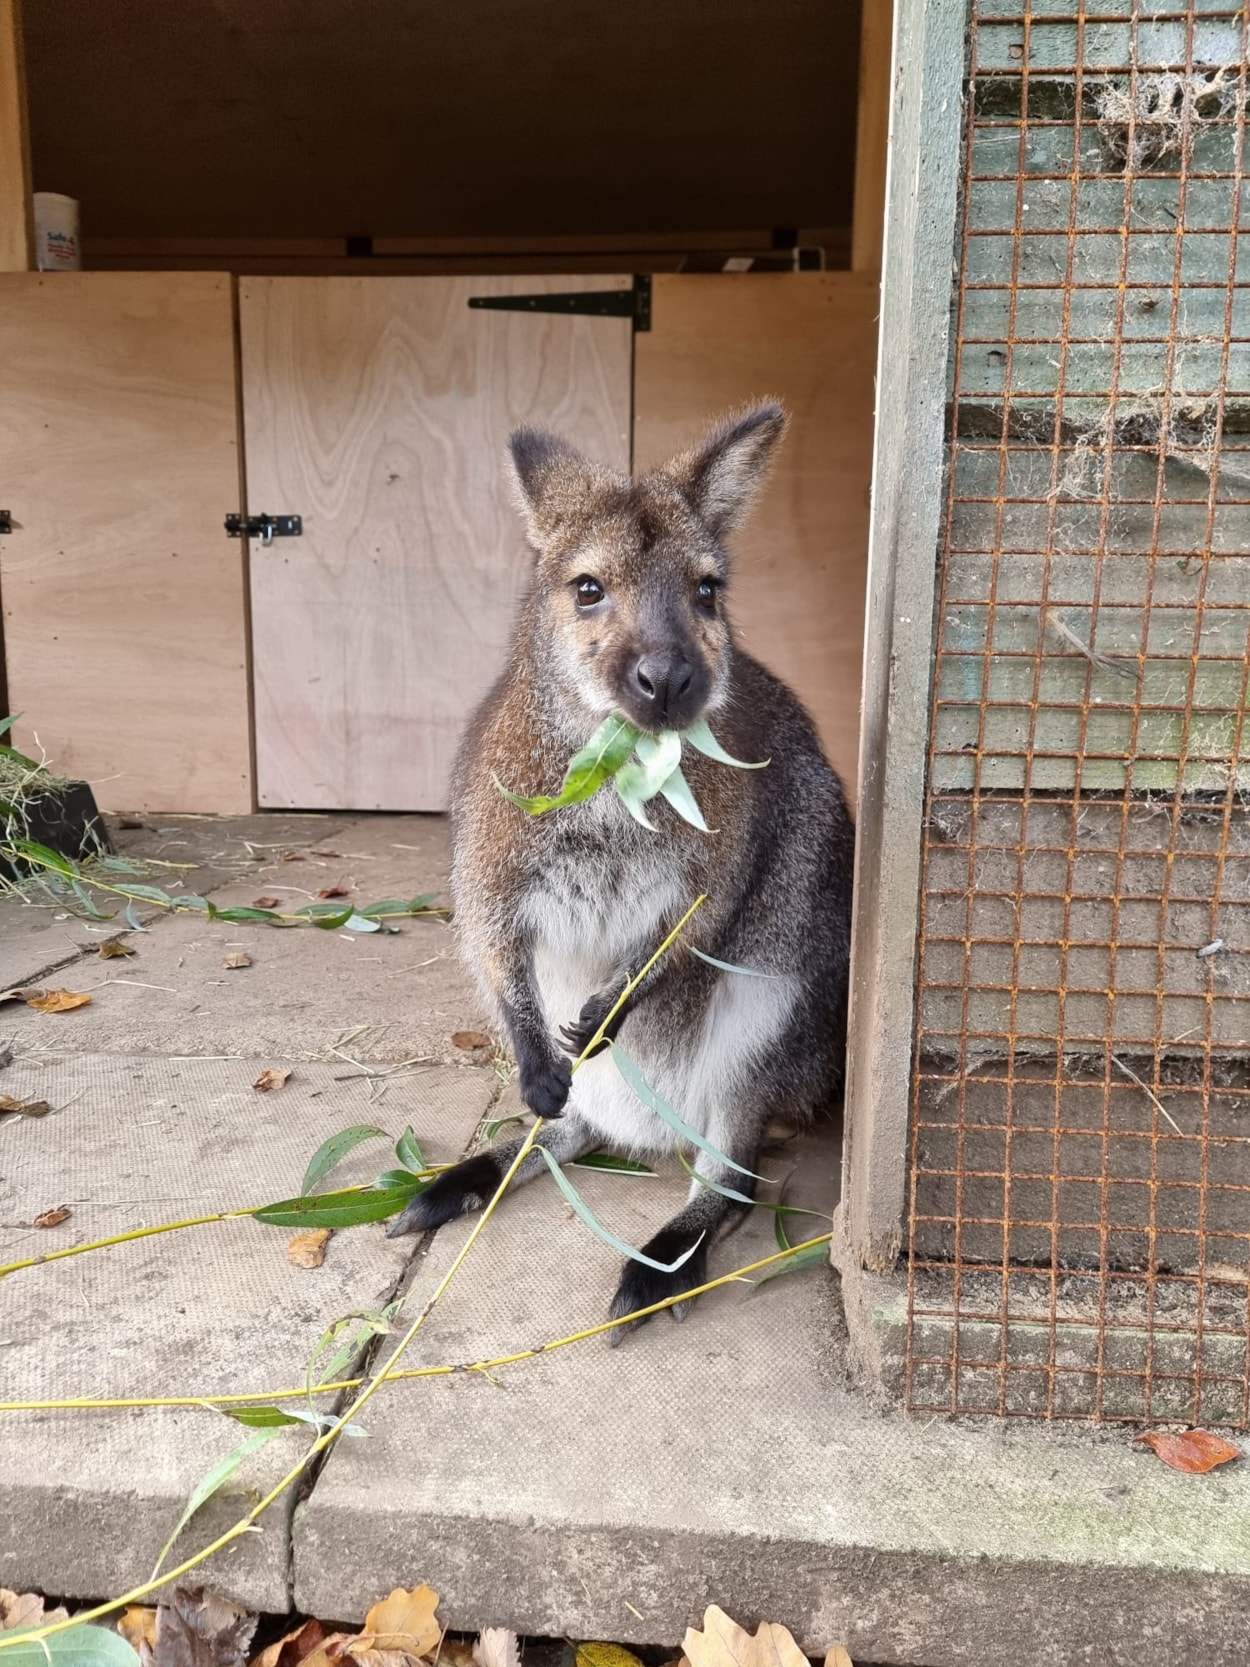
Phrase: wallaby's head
(629,595)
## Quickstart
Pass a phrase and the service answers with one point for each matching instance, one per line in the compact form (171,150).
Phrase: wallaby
(627,614)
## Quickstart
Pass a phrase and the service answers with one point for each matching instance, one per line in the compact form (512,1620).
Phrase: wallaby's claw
(578,1035)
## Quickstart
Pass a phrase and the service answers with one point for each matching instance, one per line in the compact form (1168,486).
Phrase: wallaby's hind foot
(457,1192)
(640,1286)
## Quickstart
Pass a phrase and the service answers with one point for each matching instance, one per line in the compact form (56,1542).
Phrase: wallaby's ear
(544,468)
(722,476)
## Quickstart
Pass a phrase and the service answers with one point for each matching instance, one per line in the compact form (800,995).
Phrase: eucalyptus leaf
(190,901)
(79,1646)
(711,1185)
(149,894)
(598,761)
(245,913)
(583,1211)
(331,1153)
(209,1484)
(274,1418)
(391,1178)
(497,1123)
(6,724)
(702,740)
(634,1077)
(32,849)
(361,923)
(397,906)
(408,1151)
(338,1209)
(811,1256)
(677,791)
(728,966)
(610,1161)
(132,919)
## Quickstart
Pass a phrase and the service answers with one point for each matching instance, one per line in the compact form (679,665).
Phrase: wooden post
(17,234)
(872,134)
(898,654)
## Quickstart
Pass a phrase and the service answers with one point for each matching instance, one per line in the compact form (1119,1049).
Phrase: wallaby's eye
(589,591)
(705,595)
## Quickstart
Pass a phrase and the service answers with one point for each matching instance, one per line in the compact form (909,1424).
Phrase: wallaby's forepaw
(578,1035)
(641,1286)
(465,1187)
(545,1085)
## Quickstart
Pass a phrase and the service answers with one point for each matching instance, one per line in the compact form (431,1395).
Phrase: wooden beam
(898,660)
(872,134)
(17,233)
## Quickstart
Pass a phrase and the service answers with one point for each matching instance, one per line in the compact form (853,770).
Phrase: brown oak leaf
(199,1628)
(238,959)
(334,891)
(1193,1451)
(274,1077)
(112,949)
(53,1218)
(294,1648)
(308,1250)
(402,1625)
(56,1001)
(723,1643)
(23,1609)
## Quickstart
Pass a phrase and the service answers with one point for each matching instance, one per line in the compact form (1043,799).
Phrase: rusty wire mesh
(1079,1237)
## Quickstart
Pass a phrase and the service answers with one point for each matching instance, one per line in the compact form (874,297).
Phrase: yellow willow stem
(168,1227)
(328,1436)
(175,905)
(215,1403)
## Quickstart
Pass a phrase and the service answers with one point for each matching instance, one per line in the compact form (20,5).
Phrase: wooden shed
(287,215)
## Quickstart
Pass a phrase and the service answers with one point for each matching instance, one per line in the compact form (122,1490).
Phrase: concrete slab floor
(88,1498)
(588,1492)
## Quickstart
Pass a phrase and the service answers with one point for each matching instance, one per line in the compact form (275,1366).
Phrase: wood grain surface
(124,601)
(379,410)
(797,594)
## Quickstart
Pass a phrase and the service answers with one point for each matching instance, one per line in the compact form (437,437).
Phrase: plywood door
(801,563)
(379,410)
(124,601)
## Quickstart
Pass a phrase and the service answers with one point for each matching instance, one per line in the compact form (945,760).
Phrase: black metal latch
(6,521)
(632,303)
(264,527)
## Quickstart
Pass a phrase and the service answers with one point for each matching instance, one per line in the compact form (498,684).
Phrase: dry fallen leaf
(595,1655)
(723,1643)
(265,902)
(329,1652)
(308,1250)
(1193,1451)
(198,1628)
(401,1625)
(53,1218)
(28,1108)
(113,948)
(470,1039)
(274,1077)
(498,1647)
(137,1626)
(239,959)
(56,1001)
(22,1609)
(839,1656)
(457,1652)
(334,891)
(325,853)
(292,856)
(294,1648)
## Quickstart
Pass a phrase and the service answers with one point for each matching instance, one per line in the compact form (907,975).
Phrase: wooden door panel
(378,409)
(124,601)
(797,593)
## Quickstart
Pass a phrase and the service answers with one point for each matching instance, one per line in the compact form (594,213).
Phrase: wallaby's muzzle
(665,690)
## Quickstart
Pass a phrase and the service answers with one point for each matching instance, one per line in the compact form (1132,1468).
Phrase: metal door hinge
(6,521)
(632,303)
(264,527)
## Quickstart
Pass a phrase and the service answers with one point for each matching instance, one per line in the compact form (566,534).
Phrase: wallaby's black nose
(663,680)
